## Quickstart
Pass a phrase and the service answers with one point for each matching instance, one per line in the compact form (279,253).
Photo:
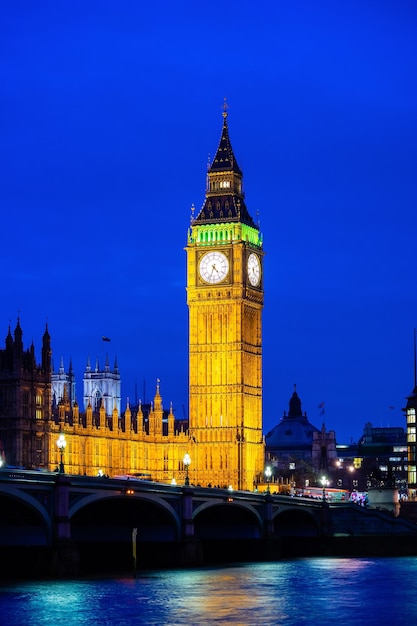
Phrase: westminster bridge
(64,519)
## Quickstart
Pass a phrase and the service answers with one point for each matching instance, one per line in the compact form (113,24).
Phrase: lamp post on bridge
(325,484)
(61,443)
(268,475)
(187,462)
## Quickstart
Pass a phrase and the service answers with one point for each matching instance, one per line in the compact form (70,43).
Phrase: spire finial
(225,107)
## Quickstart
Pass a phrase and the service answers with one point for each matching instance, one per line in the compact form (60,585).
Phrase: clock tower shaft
(225,300)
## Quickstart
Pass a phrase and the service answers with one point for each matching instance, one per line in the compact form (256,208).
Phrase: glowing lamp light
(324,483)
(187,462)
(268,476)
(61,443)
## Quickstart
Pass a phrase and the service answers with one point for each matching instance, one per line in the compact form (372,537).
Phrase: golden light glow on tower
(225,300)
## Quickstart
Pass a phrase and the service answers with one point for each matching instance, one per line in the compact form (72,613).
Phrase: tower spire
(225,107)
(225,199)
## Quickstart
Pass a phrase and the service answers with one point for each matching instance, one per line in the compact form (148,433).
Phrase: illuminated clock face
(213,267)
(254,270)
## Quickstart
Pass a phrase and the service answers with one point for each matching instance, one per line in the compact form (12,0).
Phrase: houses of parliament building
(223,434)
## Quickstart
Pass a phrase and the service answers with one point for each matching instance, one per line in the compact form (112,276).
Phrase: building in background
(25,401)
(63,383)
(297,450)
(410,411)
(102,387)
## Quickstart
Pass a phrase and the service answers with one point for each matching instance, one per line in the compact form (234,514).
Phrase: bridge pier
(65,554)
(191,548)
(268,519)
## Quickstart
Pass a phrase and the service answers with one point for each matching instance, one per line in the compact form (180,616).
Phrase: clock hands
(213,269)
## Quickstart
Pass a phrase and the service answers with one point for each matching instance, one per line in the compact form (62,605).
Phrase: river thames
(346,591)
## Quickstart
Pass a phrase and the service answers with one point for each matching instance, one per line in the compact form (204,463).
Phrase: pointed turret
(225,158)
(139,419)
(128,418)
(46,351)
(18,340)
(171,421)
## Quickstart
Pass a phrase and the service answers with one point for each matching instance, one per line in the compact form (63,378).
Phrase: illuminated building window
(39,414)
(411,416)
(411,434)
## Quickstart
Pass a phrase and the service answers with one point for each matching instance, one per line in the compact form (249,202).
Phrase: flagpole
(415,362)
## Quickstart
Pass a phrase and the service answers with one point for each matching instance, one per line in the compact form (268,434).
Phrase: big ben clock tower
(225,300)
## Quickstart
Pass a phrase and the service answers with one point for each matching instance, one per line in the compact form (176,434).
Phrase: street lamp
(268,474)
(187,461)
(61,443)
(324,483)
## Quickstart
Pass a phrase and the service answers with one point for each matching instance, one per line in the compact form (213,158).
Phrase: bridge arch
(227,520)
(104,517)
(296,522)
(24,519)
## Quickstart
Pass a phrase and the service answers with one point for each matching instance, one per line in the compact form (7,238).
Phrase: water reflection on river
(305,591)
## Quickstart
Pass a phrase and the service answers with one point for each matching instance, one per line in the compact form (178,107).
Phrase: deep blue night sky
(109,111)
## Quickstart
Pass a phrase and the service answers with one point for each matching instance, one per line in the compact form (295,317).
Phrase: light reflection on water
(376,592)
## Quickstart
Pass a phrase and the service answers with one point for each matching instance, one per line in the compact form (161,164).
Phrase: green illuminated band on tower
(207,234)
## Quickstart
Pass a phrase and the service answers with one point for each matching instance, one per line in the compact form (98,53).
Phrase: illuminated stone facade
(225,300)
(145,441)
